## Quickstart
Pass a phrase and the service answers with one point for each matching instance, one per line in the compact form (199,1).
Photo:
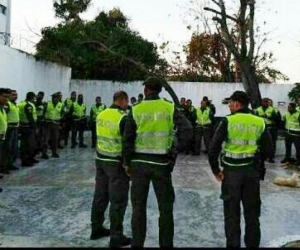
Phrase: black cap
(55,94)
(241,97)
(154,83)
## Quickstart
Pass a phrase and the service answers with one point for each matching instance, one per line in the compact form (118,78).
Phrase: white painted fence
(22,72)
(194,91)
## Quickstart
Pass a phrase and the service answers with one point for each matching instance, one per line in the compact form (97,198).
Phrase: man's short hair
(241,97)
(30,95)
(155,83)
(292,105)
(120,95)
(5,91)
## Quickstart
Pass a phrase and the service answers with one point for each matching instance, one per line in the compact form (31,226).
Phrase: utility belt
(79,119)
(293,132)
(204,125)
(239,163)
(24,124)
(53,121)
(13,125)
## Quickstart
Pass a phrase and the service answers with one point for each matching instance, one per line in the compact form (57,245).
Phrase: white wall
(24,73)
(194,91)
(5,22)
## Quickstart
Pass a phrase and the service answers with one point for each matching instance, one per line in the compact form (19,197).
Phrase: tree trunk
(250,85)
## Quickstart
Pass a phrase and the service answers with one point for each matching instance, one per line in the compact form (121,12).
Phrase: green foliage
(104,48)
(295,92)
(70,9)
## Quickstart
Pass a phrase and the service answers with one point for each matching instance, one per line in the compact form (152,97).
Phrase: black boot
(119,241)
(99,233)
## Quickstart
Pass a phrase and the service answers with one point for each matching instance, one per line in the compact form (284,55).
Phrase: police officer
(269,114)
(245,137)
(148,141)
(67,119)
(40,106)
(78,111)
(298,104)
(191,115)
(204,127)
(292,133)
(61,135)
(96,109)
(12,112)
(4,95)
(53,113)
(112,183)
(209,105)
(28,118)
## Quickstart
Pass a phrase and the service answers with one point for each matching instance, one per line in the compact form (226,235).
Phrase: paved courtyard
(49,205)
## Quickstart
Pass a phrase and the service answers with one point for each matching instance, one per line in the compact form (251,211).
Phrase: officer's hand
(127,171)
(219,176)
(262,173)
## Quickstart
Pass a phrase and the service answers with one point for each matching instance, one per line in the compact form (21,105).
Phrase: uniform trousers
(289,140)
(27,145)
(202,131)
(112,185)
(142,174)
(11,146)
(241,186)
(51,136)
(78,126)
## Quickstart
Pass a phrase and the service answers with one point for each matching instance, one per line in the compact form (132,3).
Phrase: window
(2,9)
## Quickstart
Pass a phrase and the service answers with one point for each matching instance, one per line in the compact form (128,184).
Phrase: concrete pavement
(49,205)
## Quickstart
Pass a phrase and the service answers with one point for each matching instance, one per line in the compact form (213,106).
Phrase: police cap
(55,95)
(154,83)
(241,97)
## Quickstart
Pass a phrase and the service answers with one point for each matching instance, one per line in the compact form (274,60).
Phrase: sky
(166,20)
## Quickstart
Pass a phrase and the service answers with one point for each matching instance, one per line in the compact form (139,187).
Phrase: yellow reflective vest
(244,130)
(154,120)
(109,139)
(53,113)
(13,114)
(3,123)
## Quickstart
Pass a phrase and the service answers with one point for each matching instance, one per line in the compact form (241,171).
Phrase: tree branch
(219,13)
(103,46)
(251,29)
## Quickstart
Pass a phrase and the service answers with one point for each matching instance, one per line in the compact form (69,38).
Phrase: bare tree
(242,44)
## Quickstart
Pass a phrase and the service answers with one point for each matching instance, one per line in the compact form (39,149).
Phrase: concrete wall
(194,91)
(5,19)
(24,73)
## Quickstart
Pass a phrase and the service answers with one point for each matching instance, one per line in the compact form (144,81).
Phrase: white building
(5,19)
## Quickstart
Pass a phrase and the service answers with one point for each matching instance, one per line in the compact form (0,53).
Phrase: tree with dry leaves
(242,45)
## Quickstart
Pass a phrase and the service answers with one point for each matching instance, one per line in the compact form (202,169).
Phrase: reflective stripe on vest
(13,114)
(109,139)
(244,130)
(79,110)
(268,112)
(3,123)
(53,113)
(154,120)
(203,117)
(97,110)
